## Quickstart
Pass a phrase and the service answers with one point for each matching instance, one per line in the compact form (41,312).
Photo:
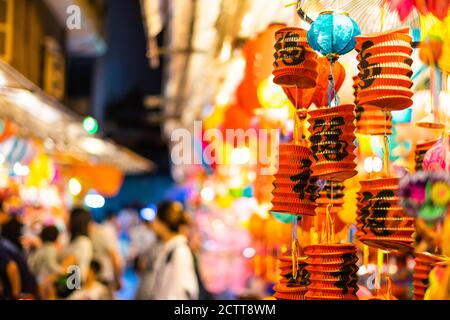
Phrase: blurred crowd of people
(84,260)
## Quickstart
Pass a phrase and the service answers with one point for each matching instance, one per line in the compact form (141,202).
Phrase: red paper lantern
(320,98)
(303,98)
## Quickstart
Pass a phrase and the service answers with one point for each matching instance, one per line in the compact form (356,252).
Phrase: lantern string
(295,247)
(331,86)
(388,278)
(331,212)
(382,13)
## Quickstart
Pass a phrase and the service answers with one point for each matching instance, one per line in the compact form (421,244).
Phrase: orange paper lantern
(295,192)
(295,61)
(333,272)
(381,220)
(385,69)
(332,142)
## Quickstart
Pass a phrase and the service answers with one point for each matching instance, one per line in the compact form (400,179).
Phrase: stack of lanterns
(425,262)
(385,69)
(295,191)
(369,119)
(421,149)
(332,142)
(290,287)
(295,62)
(333,272)
(381,221)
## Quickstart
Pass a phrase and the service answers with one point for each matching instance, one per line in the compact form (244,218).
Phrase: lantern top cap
(334,12)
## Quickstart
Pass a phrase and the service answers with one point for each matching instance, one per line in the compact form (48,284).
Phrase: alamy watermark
(198,146)
(73,21)
(73,281)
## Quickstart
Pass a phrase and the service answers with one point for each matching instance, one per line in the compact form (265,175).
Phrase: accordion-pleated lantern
(424,263)
(381,221)
(371,120)
(385,69)
(289,288)
(295,61)
(421,149)
(332,142)
(295,190)
(332,272)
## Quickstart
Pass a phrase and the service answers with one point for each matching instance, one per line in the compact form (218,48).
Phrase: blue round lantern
(333,34)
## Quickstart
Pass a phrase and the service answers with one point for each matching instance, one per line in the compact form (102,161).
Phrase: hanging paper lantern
(289,288)
(436,157)
(371,120)
(320,97)
(430,50)
(295,191)
(439,8)
(381,220)
(333,34)
(295,62)
(332,143)
(271,95)
(258,56)
(17,150)
(333,272)
(301,99)
(7,129)
(424,263)
(402,7)
(385,70)
(41,171)
(421,149)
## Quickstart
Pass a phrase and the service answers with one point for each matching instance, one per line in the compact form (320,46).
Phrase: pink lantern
(437,158)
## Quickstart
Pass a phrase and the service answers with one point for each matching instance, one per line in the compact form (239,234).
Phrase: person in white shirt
(105,242)
(173,276)
(80,248)
(43,261)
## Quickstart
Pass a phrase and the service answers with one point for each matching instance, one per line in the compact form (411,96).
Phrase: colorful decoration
(425,262)
(421,149)
(17,150)
(7,129)
(426,194)
(437,157)
(438,8)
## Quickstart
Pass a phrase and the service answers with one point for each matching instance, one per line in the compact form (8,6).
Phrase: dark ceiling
(117,83)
